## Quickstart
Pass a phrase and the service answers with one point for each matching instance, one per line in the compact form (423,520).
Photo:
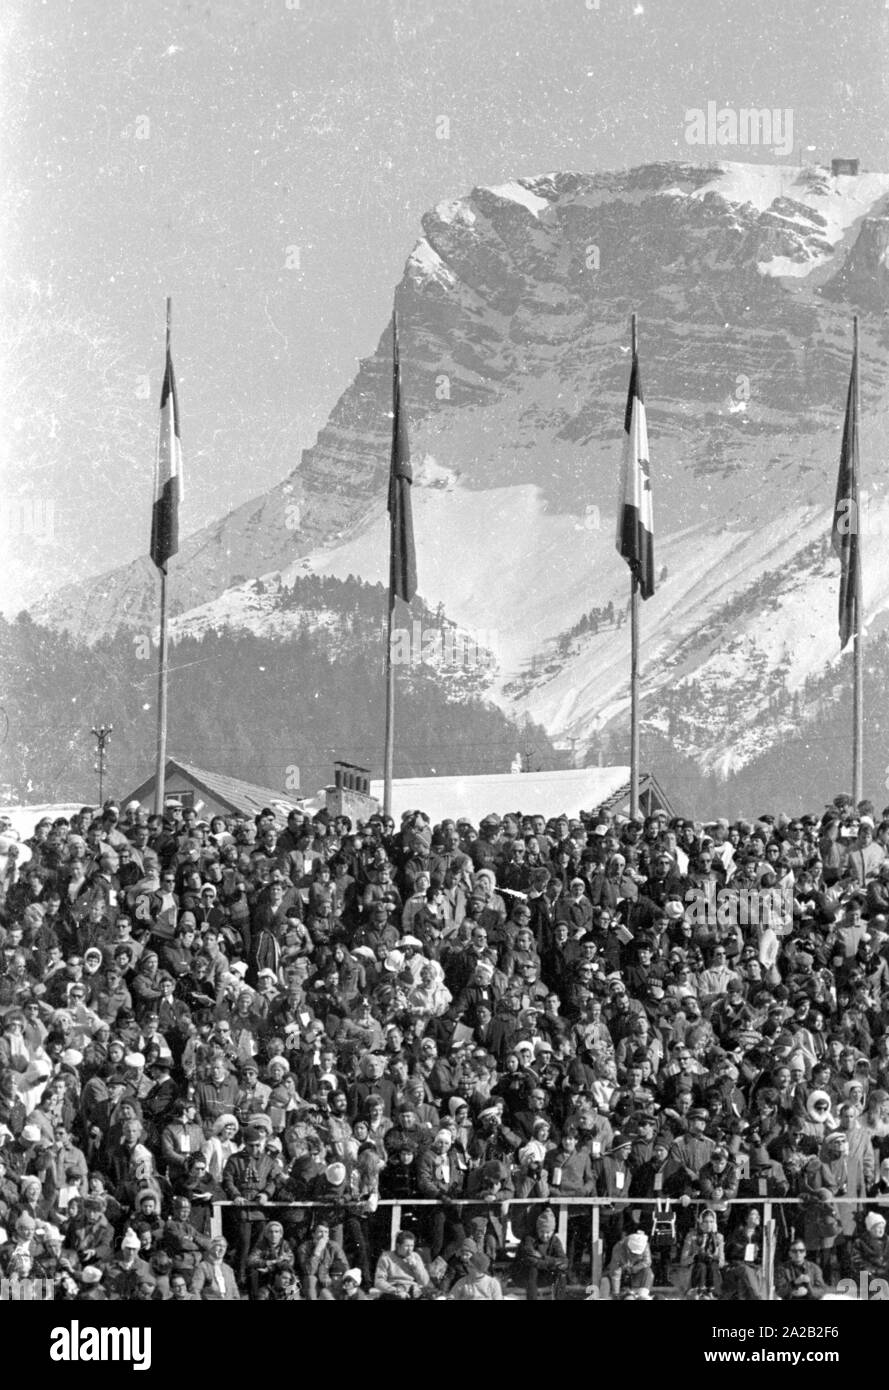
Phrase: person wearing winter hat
(477,1285)
(766,1176)
(91,1286)
(819,1119)
(742,1281)
(440,1177)
(869,1252)
(703,1254)
(613,1177)
(541,1262)
(838,1169)
(694,1148)
(124,1274)
(222,1143)
(249,1179)
(350,1288)
(630,1266)
(92,964)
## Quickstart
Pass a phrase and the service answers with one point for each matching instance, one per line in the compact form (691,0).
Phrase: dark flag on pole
(167,473)
(402,558)
(635,519)
(845,532)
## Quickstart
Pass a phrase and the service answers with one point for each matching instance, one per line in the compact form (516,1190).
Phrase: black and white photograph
(444,759)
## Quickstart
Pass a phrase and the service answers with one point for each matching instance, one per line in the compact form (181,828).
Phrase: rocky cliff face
(863,280)
(514,311)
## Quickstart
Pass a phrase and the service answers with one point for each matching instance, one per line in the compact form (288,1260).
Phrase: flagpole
(390,715)
(634,665)
(858,643)
(389,753)
(160,767)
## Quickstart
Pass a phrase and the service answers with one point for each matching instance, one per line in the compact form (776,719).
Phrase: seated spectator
(213,1279)
(630,1266)
(870,1248)
(317,1258)
(799,1279)
(542,1262)
(477,1285)
(401,1273)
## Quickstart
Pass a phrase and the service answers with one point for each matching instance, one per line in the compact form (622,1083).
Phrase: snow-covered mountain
(513,312)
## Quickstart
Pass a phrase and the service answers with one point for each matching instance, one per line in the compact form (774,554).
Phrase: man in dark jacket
(182,1241)
(542,1259)
(741,1281)
(249,1179)
(799,1280)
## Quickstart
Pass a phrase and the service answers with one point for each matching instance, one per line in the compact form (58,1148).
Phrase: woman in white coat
(221,1145)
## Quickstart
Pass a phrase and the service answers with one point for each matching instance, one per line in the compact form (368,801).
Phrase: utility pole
(102,736)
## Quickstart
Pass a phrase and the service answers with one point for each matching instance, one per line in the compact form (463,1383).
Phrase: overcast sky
(186,146)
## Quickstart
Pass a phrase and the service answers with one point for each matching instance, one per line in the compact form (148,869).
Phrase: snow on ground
(516,192)
(787,266)
(430,263)
(709,570)
(430,473)
(478,549)
(243,609)
(455,210)
(841,201)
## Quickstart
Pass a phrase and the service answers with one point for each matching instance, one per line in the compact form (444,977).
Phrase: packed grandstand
(531,1058)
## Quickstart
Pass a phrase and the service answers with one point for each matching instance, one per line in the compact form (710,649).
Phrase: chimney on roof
(350,793)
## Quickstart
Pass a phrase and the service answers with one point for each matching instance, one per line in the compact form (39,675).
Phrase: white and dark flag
(635,519)
(167,474)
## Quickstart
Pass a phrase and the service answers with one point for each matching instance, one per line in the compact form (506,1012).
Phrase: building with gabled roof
(213,793)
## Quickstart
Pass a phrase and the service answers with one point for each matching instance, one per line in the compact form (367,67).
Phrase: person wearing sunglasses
(799,1279)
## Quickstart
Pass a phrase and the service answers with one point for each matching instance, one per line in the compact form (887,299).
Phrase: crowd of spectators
(228,1046)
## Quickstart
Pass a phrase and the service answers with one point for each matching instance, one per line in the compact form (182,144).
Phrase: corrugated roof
(537,793)
(232,791)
